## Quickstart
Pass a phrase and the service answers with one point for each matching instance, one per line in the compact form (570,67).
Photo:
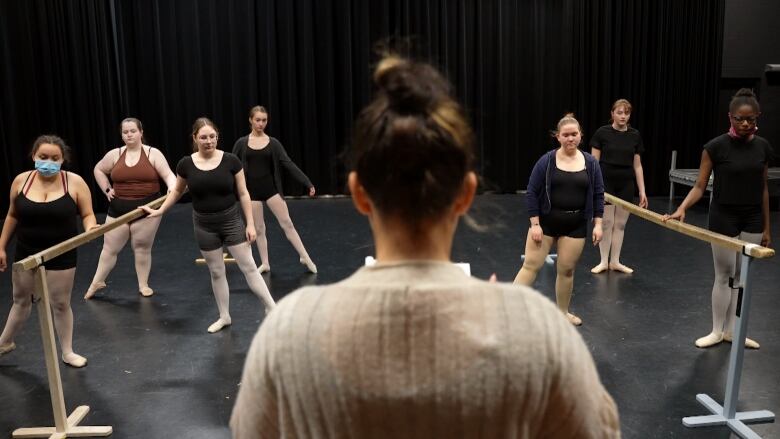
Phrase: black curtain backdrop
(77,67)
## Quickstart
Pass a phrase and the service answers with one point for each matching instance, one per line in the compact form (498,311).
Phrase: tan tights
(216,263)
(60,283)
(569,251)
(141,235)
(279,209)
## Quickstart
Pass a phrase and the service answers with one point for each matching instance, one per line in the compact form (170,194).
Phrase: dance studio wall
(77,67)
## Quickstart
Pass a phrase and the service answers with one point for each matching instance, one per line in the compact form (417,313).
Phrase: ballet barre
(64,426)
(725,414)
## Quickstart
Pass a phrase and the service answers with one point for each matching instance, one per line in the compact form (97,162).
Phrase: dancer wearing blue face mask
(44,206)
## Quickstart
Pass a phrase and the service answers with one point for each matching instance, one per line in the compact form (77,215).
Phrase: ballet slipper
(264,268)
(218,325)
(73,359)
(711,339)
(574,320)
(309,264)
(94,288)
(617,266)
(749,342)
(602,267)
(146,291)
(4,349)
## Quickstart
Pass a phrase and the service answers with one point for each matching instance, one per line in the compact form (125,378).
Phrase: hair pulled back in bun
(412,146)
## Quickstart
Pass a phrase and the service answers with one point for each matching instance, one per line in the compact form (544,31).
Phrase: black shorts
(559,223)
(618,181)
(262,188)
(730,220)
(121,206)
(218,229)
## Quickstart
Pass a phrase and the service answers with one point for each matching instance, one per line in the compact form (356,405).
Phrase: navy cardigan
(538,191)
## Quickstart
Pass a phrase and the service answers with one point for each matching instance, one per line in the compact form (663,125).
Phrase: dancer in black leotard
(44,207)
(263,158)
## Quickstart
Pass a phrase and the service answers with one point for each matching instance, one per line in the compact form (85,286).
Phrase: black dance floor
(155,372)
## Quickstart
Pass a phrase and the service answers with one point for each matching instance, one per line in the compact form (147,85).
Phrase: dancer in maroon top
(135,171)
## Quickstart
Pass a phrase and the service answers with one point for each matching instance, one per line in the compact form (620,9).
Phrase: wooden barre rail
(747,248)
(33,261)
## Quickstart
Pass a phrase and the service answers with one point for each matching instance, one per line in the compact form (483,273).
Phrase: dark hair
(744,96)
(412,145)
(137,123)
(53,140)
(200,123)
(257,109)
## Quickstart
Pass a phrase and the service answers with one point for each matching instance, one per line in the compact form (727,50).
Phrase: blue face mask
(47,168)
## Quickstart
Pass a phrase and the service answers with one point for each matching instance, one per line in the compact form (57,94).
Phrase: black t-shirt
(213,190)
(739,169)
(617,147)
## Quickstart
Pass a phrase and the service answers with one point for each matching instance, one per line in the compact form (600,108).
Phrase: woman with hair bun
(412,338)
(215,181)
(740,204)
(45,205)
(618,148)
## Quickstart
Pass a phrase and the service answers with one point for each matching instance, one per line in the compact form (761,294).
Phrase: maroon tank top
(137,181)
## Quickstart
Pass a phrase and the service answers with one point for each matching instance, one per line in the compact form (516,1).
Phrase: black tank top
(41,225)
(569,190)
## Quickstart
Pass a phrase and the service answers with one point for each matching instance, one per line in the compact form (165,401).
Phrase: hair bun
(745,92)
(410,88)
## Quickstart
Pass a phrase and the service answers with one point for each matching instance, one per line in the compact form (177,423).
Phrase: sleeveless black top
(41,225)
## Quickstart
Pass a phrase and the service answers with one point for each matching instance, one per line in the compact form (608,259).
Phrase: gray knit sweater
(420,350)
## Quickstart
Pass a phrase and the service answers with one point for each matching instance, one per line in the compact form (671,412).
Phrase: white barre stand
(727,414)
(64,426)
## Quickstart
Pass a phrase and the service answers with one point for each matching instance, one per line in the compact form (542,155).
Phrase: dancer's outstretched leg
(279,209)
(243,256)
(23,288)
(113,243)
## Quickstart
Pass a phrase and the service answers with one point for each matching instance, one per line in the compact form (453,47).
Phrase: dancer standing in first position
(44,207)
(215,179)
(135,172)
(263,158)
(618,148)
(740,204)
(565,191)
